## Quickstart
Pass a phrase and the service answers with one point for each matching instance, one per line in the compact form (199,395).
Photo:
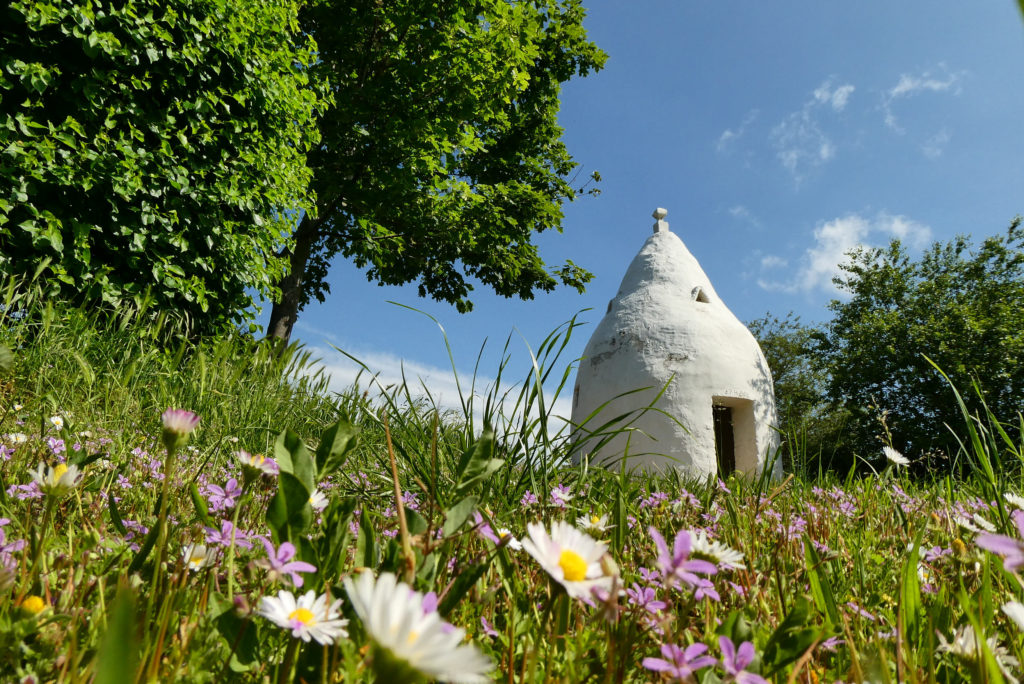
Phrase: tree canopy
(441,155)
(151,149)
(960,306)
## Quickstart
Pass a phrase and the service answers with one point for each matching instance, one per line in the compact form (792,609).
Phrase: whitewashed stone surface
(667,328)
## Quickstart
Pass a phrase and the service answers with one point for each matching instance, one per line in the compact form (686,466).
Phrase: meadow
(208,511)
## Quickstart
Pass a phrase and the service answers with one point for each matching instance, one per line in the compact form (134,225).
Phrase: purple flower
(679,663)
(676,565)
(529,499)
(280,562)
(488,628)
(644,597)
(560,496)
(25,491)
(1012,550)
(706,589)
(483,529)
(56,445)
(735,662)
(649,575)
(221,498)
(223,537)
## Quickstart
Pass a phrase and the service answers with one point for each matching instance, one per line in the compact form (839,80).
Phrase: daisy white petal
(895,457)
(308,617)
(570,557)
(409,638)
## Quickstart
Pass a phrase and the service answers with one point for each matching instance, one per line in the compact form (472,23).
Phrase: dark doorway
(725,444)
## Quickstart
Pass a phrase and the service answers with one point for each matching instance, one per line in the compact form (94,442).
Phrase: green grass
(854,579)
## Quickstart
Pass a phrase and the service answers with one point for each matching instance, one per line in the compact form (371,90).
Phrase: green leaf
(241,635)
(332,546)
(199,503)
(457,515)
(910,609)
(415,522)
(289,512)
(367,552)
(115,515)
(293,457)
(820,588)
(6,359)
(476,463)
(791,639)
(119,650)
(145,549)
(336,444)
(463,583)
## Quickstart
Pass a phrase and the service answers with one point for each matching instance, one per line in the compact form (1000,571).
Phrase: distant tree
(150,149)
(812,426)
(441,155)
(963,307)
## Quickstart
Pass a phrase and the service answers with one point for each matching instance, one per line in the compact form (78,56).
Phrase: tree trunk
(285,311)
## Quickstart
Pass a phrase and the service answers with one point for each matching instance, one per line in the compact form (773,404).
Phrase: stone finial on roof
(661,225)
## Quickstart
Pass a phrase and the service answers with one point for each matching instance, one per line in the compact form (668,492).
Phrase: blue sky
(778,135)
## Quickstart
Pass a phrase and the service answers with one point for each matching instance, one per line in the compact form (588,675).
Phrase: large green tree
(151,148)
(958,304)
(441,155)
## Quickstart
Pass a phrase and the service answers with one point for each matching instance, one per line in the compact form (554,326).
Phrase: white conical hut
(667,329)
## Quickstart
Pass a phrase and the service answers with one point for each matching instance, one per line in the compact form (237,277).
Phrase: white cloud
(741,213)
(837,98)
(800,143)
(772,261)
(934,146)
(730,136)
(385,372)
(911,86)
(833,240)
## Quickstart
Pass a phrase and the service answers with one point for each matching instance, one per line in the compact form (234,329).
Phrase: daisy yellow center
(302,615)
(197,558)
(594,520)
(59,471)
(573,566)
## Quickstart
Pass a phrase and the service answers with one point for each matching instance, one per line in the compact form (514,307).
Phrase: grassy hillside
(136,547)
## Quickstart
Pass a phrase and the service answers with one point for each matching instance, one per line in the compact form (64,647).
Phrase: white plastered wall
(656,334)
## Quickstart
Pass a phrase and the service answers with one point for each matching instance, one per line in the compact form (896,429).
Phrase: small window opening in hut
(699,296)
(735,441)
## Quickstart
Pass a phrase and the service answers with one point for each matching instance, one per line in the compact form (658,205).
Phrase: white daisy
(1015,611)
(257,462)
(895,457)
(17,437)
(17,407)
(318,500)
(57,480)
(1014,500)
(308,617)
(505,537)
(408,637)
(593,523)
(967,647)
(716,552)
(572,558)
(57,422)
(975,523)
(198,556)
